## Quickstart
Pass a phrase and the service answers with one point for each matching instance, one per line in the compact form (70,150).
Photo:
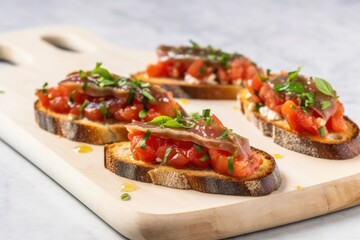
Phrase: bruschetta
(301,114)
(199,72)
(93,106)
(195,152)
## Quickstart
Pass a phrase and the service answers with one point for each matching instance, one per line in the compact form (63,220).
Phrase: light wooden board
(154,212)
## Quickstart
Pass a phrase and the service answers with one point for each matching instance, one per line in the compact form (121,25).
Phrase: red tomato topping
(298,119)
(182,154)
(337,122)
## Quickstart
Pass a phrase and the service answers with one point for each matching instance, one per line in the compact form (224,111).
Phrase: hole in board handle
(13,56)
(69,42)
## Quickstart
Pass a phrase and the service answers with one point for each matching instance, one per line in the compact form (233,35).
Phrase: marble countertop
(323,37)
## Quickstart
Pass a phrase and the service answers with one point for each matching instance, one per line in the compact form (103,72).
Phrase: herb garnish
(202,70)
(194,44)
(83,74)
(84,86)
(142,113)
(257,107)
(231,163)
(325,104)
(293,75)
(224,134)
(44,89)
(82,107)
(198,148)
(204,158)
(103,110)
(142,142)
(321,131)
(264,78)
(290,87)
(71,97)
(167,153)
(324,86)
(125,197)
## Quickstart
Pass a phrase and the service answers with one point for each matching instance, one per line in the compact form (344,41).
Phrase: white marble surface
(321,36)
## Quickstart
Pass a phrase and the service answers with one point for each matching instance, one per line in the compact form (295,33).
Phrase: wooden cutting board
(311,187)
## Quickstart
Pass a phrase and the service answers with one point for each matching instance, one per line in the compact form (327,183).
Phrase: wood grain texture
(154,212)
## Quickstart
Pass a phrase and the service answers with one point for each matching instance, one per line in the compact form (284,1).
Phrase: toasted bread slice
(182,89)
(337,146)
(81,130)
(119,159)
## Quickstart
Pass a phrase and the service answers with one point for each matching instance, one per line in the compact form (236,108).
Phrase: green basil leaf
(44,90)
(83,74)
(202,70)
(325,104)
(293,75)
(125,197)
(103,110)
(194,44)
(131,96)
(122,82)
(148,95)
(198,148)
(71,97)
(160,120)
(308,99)
(257,107)
(142,113)
(166,155)
(206,113)
(103,82)
(290,87)
(231,163)
(178,115)
(84,86)
(145,85)
(204,158)
(224,134)
(324,86)
(102,72)
(142,142)
(321,131)
(175,124)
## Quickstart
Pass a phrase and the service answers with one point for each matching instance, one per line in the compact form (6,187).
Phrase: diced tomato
(254,85)
(45,101)
(236,70)
(93,113)
(75,110)
(297,119)
(222,75)
(195,69)
(216,120)
(128,113)
(251,72)
(270,98)
(59,105)
(79,98)
(199,156)
(337,122)
(158,70)
(219,162)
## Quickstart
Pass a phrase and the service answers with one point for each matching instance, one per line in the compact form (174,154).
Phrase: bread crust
(182,89)
(119,160)
(343,146)
(79,130)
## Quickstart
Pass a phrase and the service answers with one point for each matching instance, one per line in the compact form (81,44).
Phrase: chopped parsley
(224,135)
(142,113)
(257,107)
